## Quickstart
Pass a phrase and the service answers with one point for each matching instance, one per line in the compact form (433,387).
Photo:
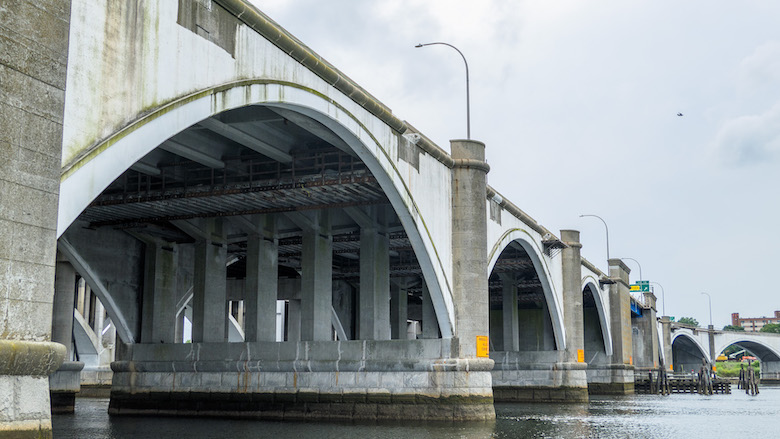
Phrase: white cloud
(750,139)
(760,71)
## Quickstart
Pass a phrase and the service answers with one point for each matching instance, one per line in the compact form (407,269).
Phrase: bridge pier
(616,376)
(33,71)
(65,382)
(645,337)
(544,375)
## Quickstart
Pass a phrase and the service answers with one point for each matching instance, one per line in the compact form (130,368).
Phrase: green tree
(689,321)
(771,327)
(733,328)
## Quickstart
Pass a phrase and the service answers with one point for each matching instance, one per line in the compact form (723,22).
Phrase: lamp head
(419,45)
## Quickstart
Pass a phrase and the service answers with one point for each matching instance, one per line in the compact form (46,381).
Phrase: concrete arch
(692,339)
(763,351)
(531,247)
(87,176)
(592,284)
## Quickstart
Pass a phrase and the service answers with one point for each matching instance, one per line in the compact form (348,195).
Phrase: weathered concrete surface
(540,376)
(33,60)
(24,386)
(469,244)
(410,379)
(618,375)
(64,384)
(645,335)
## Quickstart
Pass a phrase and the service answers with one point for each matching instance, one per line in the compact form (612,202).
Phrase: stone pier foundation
(353,380)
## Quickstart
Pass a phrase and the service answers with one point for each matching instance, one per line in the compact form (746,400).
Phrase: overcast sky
(577,103)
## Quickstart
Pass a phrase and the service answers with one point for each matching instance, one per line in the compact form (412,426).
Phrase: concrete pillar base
(64,384)
(613,379)
(310,404)
(24,386)
(341,380)
(538,376)
(540,394)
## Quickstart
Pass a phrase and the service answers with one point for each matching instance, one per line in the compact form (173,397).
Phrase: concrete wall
(365,379)
(33,60)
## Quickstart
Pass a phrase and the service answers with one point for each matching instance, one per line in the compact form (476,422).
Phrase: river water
(638,416)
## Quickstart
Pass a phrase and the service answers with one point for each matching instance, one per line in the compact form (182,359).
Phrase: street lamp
(468,105)
(637,263)
(605,228)
(663,298)
(710,302)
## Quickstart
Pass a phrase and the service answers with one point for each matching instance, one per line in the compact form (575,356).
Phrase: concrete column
(33,71)
(620,313)
(62,315)
(85,307)
(180,328)
(572,294)
(262,279)
(81,287)
(650,330)
(294,320)
(666,340)
(64,383)
(511,319)
(374,300)
(430,325)
(398,310)
(209,302)
(317,280)
(158,323)
(711,336)
(469,244)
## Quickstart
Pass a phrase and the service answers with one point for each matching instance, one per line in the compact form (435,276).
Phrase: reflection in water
(639,416)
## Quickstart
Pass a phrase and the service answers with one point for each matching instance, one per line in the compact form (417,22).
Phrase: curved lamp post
(637,263)
(607,230)
(710,302)
(663,298)
(468,105)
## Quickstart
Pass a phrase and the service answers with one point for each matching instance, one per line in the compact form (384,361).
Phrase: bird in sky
(679,114)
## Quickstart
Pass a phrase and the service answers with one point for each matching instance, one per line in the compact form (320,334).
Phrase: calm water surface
(639,416)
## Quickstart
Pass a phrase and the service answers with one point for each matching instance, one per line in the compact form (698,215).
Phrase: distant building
(753,324)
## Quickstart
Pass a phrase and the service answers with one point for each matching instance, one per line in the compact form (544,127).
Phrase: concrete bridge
(220,183)
(688,346)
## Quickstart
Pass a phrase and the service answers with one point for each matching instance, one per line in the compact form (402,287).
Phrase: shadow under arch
(526,241)
(590,284)
(92,171)
(687,352)
(764,352)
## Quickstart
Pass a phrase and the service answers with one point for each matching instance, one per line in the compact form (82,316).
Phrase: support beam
(64,299)
(430,324)
(374,286)
(314,128)
(337,326)
(317,280)
(247,140)
(158,324)
(209,302)
(146,168)
(189,153)
(399,305)
(94,281)
(511,320)
(262,275)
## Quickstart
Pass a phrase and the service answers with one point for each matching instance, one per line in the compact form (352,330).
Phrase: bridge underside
(263,223)
(528,364)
